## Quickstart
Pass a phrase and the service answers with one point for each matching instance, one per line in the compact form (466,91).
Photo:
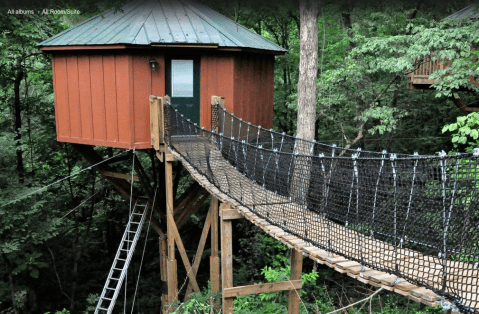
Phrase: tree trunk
(80,241)
(11,283)
(18,120)
(308,68)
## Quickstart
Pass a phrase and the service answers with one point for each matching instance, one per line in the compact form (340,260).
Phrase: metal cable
(63,179)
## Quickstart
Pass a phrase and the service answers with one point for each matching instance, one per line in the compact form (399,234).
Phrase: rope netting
(414,216)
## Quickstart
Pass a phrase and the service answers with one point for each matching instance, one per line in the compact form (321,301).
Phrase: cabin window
(182,78)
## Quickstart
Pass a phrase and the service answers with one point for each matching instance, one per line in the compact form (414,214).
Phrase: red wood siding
(216,78)
(254,88)
(102,99)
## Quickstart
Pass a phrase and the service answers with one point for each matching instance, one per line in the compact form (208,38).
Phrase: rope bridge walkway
(394,220)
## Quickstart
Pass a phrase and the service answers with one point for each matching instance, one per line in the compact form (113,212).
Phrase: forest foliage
(57,245)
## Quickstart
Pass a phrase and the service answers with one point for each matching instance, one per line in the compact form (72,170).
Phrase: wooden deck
(419,79)
(464,276)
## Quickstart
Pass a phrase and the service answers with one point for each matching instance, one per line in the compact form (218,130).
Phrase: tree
(308,68)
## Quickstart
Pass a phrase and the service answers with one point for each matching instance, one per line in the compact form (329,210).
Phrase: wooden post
(296,270)
(165,120)
(154,122)
(163,273)
(214,111)
(171,264)
(161,118)
(214,259)
(226,259)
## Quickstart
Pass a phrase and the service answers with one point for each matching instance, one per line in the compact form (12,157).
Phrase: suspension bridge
(407,223)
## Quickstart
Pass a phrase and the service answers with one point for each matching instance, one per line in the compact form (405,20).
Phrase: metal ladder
(123,257)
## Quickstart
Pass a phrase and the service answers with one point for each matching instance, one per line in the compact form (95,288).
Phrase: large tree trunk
(308,68)
(18,120)
(305,124)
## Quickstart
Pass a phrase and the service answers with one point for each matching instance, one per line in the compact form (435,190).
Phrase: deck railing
(423,71)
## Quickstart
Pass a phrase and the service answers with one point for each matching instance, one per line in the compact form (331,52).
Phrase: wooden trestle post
(157,125)
(294,285)
(163,272)
(296,270)
(172,276)
(215,259)
(226,257)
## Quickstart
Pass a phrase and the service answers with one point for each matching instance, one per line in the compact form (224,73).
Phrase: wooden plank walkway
(339,237)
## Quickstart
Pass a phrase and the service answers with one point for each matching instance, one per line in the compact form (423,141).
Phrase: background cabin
(419,79)
(105,68)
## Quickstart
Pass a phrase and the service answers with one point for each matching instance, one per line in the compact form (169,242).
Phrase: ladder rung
(136,223)
(121,259)
(131,231)
(117,268)
(124,250)
(113,278)
(110,288)
(106,298)
(100,308)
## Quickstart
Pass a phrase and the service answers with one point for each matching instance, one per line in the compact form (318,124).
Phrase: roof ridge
(142,17)
(212,24)
(238,25)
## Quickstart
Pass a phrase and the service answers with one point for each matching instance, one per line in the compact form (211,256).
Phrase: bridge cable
(128,234)
(63,179)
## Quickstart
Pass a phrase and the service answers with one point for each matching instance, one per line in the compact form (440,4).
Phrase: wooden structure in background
(419,79)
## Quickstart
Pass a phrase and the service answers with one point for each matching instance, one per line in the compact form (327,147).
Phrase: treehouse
(419,79)
(105,68)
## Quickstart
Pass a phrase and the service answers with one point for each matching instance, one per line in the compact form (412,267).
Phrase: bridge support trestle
(229,292)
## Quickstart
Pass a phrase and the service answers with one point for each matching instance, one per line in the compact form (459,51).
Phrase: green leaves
(465,131)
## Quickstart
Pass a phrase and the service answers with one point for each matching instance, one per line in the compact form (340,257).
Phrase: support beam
(263,288)
(93,158)
(145,183)
(181,201)
(186,201)
(231,214)
(157,125)
(226,259)
(199,252)
(296,270)
(187,212)
(163,245)
(120,175)
(184,256)
(171,263)
(459,104)
(215,258)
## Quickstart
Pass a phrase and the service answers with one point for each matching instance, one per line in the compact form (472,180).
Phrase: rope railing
(414,216)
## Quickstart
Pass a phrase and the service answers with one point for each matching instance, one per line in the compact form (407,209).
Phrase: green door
(183,86)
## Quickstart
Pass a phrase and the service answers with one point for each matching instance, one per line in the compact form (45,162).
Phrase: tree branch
(56,273)
(350,305)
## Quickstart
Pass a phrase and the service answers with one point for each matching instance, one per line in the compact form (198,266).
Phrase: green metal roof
(471,11)
(146,22)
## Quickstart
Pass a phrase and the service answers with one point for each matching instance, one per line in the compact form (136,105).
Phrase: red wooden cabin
(104,70)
